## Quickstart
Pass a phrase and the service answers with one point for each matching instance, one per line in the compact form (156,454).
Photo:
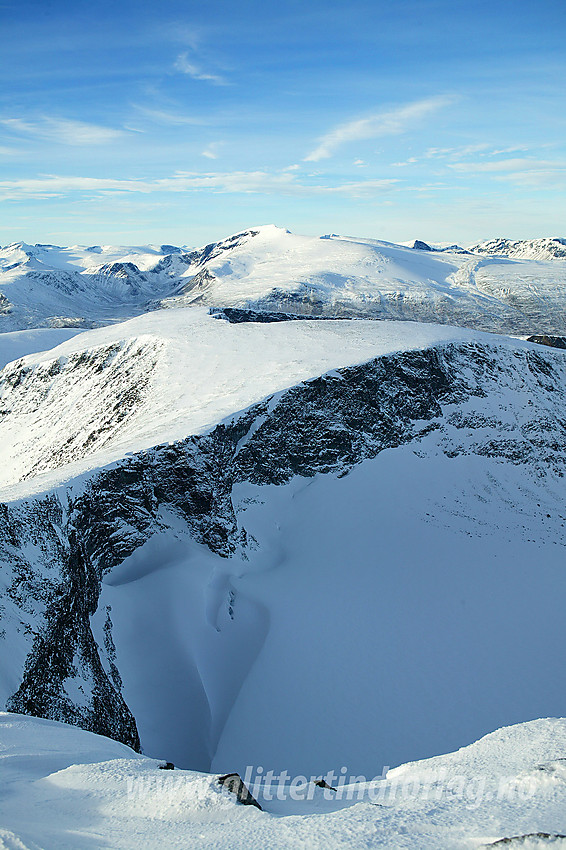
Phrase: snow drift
(88,791)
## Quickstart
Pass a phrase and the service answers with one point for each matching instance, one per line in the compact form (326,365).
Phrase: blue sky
(130,122)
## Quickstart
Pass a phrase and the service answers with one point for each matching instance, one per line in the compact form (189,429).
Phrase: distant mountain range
(499,285)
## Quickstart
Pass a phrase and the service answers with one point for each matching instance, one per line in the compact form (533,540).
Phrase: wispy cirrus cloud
(536,174)
(522,164)
(544,179)
(462,151)
(450,157)
(186,66)
(212,150)
(63,131)
(170,117)
(392,123)
(261,182)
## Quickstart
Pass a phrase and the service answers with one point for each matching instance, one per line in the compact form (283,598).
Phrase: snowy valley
(288,503)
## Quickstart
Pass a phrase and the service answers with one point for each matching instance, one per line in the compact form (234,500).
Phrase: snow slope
(296,545)
(89,792)
(402,606)
(21,343)
(52,286)
(381,616)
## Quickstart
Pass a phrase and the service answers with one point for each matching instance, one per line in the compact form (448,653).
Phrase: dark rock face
(54,588)
(67,648)
(216,249)
(5,306)
(552,341)
(237,315)
(198,284)
(55,549)
(234,783)
(553,247)
(521,840)
(66,282)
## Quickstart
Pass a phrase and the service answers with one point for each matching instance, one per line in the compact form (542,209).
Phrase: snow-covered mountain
(274,270)
(256,501)
(230,538)
(166,375)
(50,286)
(506,790)
(500,286)
(523,249)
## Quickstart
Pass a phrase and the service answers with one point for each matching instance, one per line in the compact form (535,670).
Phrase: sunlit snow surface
(405,598)
(409,607)
(65,789)
(21,343)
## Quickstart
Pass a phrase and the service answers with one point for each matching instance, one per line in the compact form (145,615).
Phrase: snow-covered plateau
(248,526)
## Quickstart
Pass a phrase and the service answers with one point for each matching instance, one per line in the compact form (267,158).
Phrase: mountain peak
(545,248)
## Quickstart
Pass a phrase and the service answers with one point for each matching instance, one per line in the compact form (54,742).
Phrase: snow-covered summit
(346,276)
(78,258)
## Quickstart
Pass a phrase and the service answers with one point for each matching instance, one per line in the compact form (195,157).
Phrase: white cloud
(465,150)
(211,151)
(163,116)
(63,131)
(554,179)
(261,182)
(185,66)
(392,123)
(482,149)
(521,172)
(517,164)
(410,161)
(515,149)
